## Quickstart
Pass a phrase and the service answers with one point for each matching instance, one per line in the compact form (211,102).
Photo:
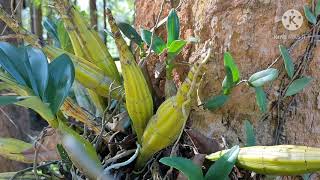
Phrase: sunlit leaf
(298,85)
(216,102)
(186,166)
(173,27)
(158,44)
(61,77)
(261,99)
(176,46)
(262,77)
(309,15)
(130,33)
(223,166)
(229,62)
(250,136)
(288,63)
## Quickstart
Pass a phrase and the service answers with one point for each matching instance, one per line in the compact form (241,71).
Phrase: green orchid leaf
(288,63)
(216,102)
(13,149)
(250,136)
(227,83)
(229,62)
(262,77)
(173,27)
(39,70)
(36,104)
(130,33)
(176,47)
(80,151)
(64,157)
(10,60)
(5,100)
(297,85)
(223,166)
(61,77)
(63,37)
(158,44)
(309,15)
(261,99)
(51,28)
(186,166)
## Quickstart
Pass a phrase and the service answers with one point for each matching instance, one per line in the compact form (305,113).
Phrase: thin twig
(11,36)
(36,147)
(8,117)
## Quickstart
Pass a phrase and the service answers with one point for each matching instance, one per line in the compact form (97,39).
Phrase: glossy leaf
(176,46)
(309,15)
(130,33)
(81,152)
(39,69)
(216,102)
(173,27)
(288,63)
(262,77)
(16,71)
(12,149)
(229,62)
(5,100)
(250,136)
(29,77)
(186,166)
(261,99)
(158,44)
(61,77)
(298,85)
(223,166)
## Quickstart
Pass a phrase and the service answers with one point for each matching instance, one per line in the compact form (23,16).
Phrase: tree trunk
(36,20)
(251,31)
(93,14)
(18,115)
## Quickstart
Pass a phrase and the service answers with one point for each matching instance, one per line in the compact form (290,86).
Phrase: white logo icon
(292,20)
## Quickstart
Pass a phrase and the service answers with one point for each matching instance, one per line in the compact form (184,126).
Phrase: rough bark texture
(20,116)
(251,31)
